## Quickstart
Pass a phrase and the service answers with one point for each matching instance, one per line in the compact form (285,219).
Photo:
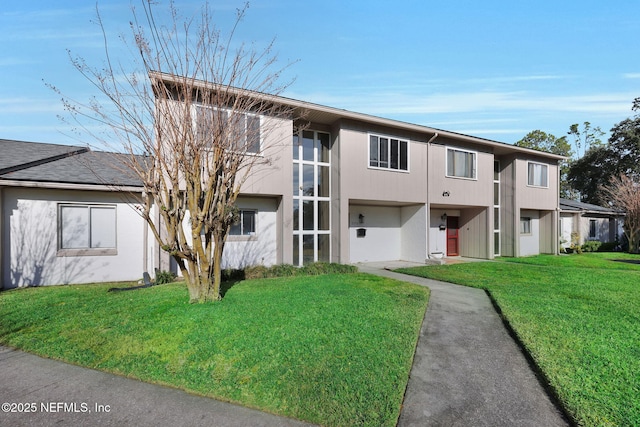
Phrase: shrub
(608,247)
(287,270)
(283,270)
(164,276)
(591,246)
(232,274)
(256,272)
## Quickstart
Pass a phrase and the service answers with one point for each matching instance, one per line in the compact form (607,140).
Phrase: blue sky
(492,69)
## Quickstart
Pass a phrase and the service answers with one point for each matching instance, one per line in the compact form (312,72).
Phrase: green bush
(255,272)
(288,270)
(608,247)
(163,277)
(591,246)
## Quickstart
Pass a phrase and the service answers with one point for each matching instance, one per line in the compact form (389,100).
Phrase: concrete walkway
(467,369)
(68,395)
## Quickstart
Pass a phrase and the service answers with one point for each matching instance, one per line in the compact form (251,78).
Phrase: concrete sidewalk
(68,395)
(467,369)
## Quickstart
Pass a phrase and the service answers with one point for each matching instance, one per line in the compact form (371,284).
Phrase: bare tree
(624,193)
(194,119)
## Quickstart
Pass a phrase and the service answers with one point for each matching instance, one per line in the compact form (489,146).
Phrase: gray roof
(31,161)
(586,208)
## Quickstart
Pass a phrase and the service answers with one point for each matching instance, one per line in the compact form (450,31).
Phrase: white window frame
(91,249)
(525,223)
(247,116)
(313,200)
(250,234)
(451,174)
(389,149)
(531,180)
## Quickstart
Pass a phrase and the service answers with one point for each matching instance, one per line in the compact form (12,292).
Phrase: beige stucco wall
(30,255)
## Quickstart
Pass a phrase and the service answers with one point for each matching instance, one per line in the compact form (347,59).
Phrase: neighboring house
(588,222)
(61,220)
(354,188)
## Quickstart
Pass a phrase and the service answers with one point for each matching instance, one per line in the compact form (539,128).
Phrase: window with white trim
(243,129)
(86,226)
(388,153)
(461,163)
(525,225)
(537,174)
(246,224)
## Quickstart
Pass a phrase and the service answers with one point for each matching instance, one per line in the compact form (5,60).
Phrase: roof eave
(346,114)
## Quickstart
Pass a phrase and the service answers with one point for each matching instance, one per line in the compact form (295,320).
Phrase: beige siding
(547,235)
(474,233)
(530,197)
(359,181)
(461,191)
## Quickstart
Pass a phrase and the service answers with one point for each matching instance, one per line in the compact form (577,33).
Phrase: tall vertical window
(461,163)
(241,129)
(537,174)
(496,208)
(525,225)
(311,197)
(388,153)
(86,226)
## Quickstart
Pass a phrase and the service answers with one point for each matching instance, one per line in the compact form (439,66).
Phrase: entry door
(452,236)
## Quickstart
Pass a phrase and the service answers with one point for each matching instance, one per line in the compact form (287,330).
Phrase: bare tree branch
(195,122)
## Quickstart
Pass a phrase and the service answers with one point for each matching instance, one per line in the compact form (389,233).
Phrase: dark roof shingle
(30,161)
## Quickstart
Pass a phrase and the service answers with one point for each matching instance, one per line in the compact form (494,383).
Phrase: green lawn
(333,349)
(579,318)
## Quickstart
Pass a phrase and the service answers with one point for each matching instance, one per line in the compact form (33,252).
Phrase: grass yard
(579,318)
(333,350)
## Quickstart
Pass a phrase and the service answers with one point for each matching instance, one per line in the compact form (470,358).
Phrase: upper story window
(537,174)
(388,153)
(461,163)
(242,129)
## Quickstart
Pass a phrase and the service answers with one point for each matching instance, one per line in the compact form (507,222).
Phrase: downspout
(433,138)
(145,243)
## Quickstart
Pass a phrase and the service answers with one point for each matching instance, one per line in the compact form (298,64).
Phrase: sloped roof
(322,114)
(586,208)
(38,162)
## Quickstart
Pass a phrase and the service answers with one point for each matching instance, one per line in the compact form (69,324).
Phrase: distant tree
(542,141)
(585,138)
(590,172)
(623,192)
(601,162)
(189,120)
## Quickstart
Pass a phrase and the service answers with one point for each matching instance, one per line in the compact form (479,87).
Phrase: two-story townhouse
(352,187)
